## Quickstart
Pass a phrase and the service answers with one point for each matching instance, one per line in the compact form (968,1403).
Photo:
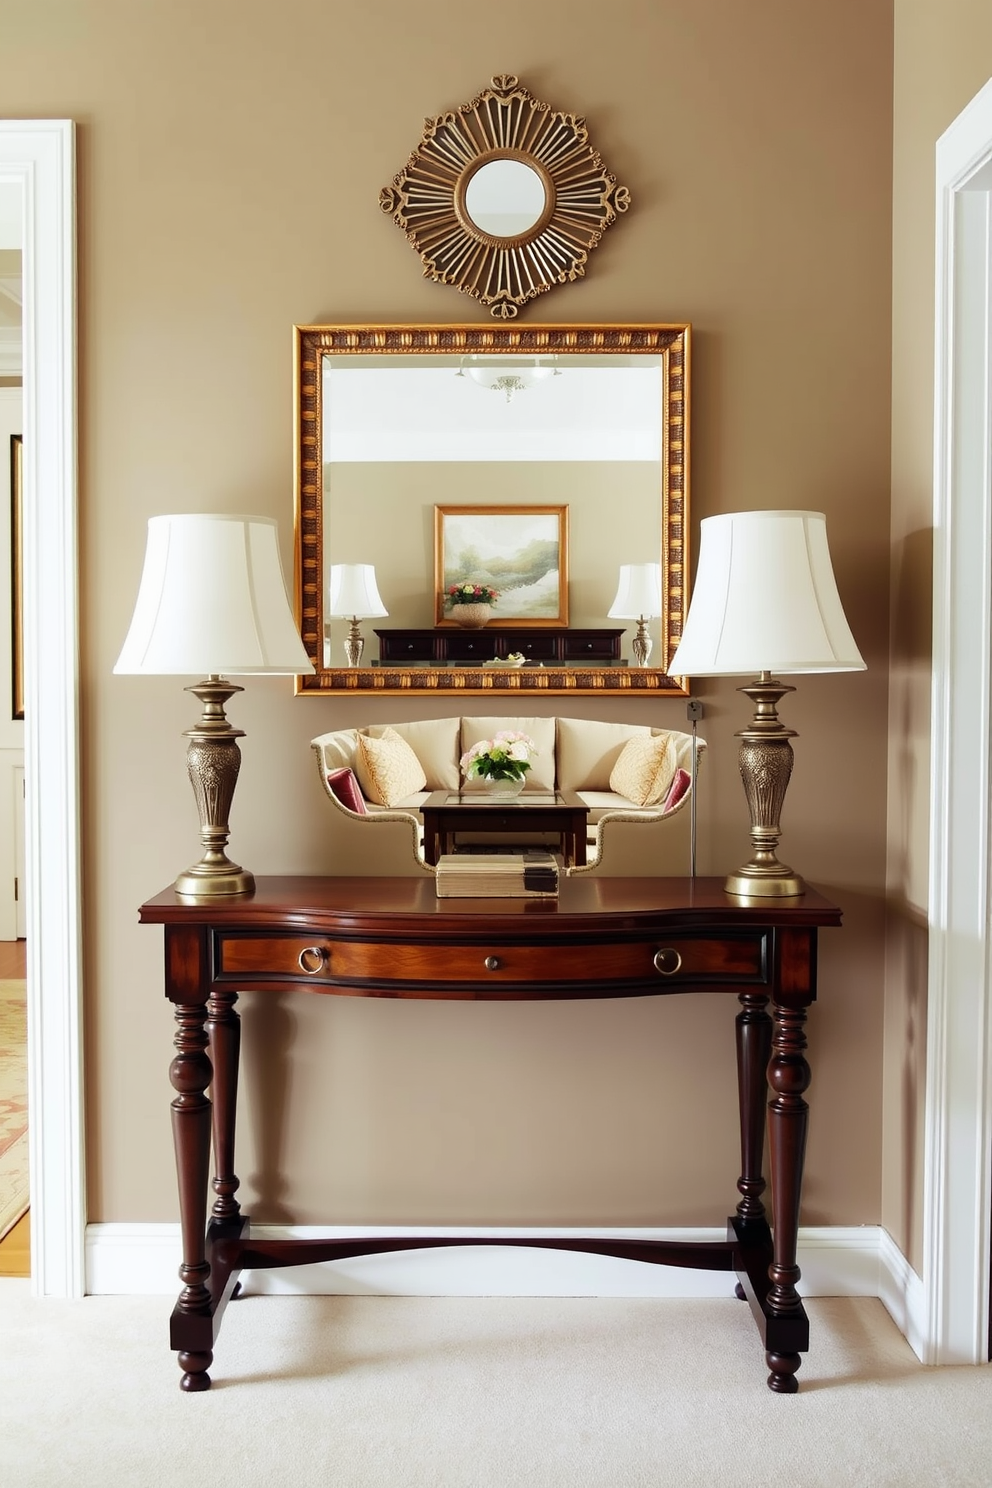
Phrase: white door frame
(958,1136)
(39,156)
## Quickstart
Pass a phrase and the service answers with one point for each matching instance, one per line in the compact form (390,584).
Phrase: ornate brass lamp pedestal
(214,760)
(641,644)
(766,766)
(354,643)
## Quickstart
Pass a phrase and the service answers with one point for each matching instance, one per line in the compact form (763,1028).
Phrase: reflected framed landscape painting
(521,552)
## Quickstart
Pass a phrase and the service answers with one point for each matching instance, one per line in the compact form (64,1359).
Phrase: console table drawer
(668,961)
(472,645)
(406,646)
(591,645)
(544,646)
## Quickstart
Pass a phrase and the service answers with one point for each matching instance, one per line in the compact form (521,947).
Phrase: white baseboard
(860,1261)
(901,1292)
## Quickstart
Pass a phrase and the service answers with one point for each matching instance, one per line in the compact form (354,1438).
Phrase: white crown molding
(38,157)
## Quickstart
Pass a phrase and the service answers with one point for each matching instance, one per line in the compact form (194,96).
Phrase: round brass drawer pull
(312,960)
(492,963)
(667,961)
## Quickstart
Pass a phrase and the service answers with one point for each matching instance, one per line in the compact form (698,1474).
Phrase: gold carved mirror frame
(564,202)
(665,345)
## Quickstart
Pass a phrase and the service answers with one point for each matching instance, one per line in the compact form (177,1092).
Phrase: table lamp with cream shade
(354,595)
(213,600)
(765,601)
(638,597)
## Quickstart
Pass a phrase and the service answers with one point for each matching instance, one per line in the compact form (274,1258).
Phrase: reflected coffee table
(447,812)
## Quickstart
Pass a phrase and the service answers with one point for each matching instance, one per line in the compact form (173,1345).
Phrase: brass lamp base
(354,643)
(766,765)
(214,760)
(641,644)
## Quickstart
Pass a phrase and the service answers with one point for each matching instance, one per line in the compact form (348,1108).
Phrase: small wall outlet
(694,710)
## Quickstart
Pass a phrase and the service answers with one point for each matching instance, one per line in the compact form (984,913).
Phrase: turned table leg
(788,1076)
(754,1039)
(224,1034)
(190,1074)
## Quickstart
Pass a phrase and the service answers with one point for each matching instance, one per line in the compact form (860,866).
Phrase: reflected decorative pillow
(344,787)
(387,768)
(680,784)
(645,769)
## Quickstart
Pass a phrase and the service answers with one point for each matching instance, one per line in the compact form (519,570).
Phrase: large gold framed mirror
(397,426)
(504,197)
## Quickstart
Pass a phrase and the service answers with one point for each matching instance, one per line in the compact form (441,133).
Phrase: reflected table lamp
(354,596)
(765,600)
(213,600)
(638,597)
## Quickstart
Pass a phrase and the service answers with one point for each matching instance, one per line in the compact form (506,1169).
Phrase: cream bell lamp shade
(765,601)
(213,600)
(354,594)
(638,597)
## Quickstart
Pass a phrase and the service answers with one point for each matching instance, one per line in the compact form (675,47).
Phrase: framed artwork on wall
(520,553)
(16,582)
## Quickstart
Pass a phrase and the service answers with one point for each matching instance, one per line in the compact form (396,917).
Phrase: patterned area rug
(13,1104)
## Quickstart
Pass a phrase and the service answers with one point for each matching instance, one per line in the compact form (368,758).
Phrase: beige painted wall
(230,158)
(384,514)
(943,56)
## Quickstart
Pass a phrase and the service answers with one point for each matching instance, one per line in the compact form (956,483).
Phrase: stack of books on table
(523,875)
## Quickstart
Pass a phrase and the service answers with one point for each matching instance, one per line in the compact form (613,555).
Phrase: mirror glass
(505,198)
(391,441)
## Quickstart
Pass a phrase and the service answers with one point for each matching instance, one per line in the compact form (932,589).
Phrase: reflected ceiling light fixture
(765,601)
(213,599)
(638,597)
(354,595)
(508,375)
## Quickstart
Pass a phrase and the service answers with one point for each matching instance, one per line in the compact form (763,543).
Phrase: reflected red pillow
(345,788)
(681,782)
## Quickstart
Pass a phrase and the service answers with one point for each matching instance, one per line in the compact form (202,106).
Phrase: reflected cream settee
(377,778)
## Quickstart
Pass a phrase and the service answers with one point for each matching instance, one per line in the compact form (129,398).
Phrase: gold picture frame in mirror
(504,197)
(591,421)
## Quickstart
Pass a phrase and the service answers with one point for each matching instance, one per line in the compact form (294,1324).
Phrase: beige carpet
(13,1104)
(378,1392)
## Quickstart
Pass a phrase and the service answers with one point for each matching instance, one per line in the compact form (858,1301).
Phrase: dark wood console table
(604,938)
(454,644)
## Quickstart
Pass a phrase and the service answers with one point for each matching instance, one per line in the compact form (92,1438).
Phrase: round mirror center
(505,198)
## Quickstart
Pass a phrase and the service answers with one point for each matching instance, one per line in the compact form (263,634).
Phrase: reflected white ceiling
(401,413)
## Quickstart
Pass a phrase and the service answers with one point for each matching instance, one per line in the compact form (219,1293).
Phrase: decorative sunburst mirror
(504,197)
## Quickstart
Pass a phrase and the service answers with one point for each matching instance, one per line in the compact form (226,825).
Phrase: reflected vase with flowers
(470,604)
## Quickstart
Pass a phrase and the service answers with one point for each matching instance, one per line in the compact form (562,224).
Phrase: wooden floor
(15,1248)
(13,958)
